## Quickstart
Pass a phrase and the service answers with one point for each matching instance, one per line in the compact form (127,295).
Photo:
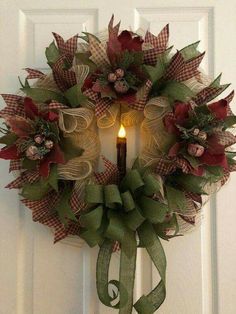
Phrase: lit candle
(121,151)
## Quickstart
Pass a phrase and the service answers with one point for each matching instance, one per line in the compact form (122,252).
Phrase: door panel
(39,277)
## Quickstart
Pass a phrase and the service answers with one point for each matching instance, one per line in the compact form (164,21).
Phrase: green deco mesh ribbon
(123,213)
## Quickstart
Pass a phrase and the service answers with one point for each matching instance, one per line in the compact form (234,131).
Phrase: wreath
(50,133)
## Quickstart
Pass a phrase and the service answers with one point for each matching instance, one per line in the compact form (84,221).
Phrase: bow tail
(150,303)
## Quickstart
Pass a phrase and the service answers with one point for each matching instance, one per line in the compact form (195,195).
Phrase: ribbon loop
(94,194)
(128,201)
(153,210)
(112,196)
(93,219)
(132,181)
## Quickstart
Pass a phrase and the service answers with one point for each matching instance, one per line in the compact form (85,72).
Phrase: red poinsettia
(206,147)
(219,109)
(178,117)
(30,130)
(125,41)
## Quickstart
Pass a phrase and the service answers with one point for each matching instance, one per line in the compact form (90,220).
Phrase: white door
(37,277)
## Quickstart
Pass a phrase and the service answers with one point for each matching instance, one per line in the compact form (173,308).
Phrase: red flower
(32,111)
(9,153)
(214,159)
(179,117)
(125,41)
(219,109)
(130,43)
(174,150)
(213,145)
(24,128)
(214,154)
(54,157)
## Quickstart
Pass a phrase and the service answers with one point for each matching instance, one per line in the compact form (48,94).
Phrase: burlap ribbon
(76,119)
(81,167)
(117,214)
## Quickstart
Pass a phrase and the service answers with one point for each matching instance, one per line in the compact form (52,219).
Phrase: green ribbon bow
(119,213)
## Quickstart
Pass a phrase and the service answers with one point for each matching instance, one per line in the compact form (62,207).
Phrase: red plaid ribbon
(177,62)
(159,44)
(68,47)
(15,165)
(225,138)
(181,70)
(190,68)
(42,208)
(64,78)
(141,102)
(226,176)
(102,105)
(167,166)
(26,177)
(110,175)
(229,98)
(91,94)
(14,105)
(34,74)
(56,105)
(205,95)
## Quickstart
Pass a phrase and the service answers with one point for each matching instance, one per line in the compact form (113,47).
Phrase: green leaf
(230,158)
(69,148)
(154,73)
(214,173)
(43,95)
(75,96)
(86,37)
(132,79)
(177,91)
(53,126)
(202,109)
(52,179)
(29,164)
(52,53)
(229,121)
(138,57)
(194,162)
(190,51)
(216,84)
(83,58)
(63,207)
(37,190)
(176,199)
(24,85)
(191,183)
(126,60)
(8,139)
(157,71)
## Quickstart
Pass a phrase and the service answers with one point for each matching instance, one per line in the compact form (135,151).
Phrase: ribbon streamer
(118,213)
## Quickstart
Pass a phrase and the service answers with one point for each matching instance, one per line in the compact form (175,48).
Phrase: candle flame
(122,132)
